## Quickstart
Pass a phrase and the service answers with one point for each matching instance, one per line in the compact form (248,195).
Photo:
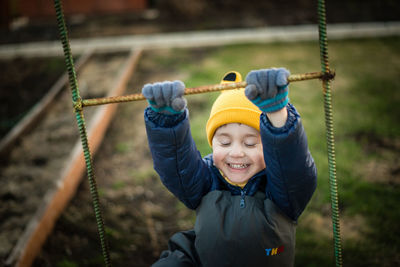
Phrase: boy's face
(238,152)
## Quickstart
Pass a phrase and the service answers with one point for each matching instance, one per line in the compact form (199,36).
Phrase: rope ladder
(326,75)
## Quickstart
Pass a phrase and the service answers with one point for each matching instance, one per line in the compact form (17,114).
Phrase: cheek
(218,158)
(261,162)
(258,157)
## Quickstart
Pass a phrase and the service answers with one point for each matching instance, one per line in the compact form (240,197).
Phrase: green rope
(323,43)
(77,102)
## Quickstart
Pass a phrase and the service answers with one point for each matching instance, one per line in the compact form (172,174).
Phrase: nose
(236,151)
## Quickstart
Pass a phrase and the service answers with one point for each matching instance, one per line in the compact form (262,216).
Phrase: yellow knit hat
(232,107)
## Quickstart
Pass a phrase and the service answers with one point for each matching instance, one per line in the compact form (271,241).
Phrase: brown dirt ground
(23,83)
(37,160)
(140,214)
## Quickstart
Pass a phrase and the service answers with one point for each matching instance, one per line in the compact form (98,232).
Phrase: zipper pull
(242,195)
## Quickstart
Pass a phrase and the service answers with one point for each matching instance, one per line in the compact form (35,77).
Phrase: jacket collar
(249,189)
(259,180)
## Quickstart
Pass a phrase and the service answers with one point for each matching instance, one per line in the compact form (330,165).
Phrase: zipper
(242,196)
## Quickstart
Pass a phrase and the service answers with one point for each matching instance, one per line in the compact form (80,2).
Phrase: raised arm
(290,168)
(175,156)
(291,171)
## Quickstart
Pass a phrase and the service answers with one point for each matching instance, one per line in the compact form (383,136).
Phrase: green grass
(122,148)
(117,185)
(366,100)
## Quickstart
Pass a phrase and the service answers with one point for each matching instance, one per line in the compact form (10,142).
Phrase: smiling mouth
(237,166)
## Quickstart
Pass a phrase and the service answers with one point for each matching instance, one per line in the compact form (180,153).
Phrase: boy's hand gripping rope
(326,75)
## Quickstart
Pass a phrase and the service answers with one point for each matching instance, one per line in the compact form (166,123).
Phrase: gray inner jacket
(260,234)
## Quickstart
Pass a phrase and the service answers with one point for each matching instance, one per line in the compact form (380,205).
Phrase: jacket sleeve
(290,168)
(176,158)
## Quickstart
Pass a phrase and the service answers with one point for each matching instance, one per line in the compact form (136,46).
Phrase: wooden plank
(56,199)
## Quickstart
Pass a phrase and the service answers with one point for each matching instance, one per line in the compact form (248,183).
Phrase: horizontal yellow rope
(203,89)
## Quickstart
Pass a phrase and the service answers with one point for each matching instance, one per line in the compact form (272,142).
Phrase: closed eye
(250,144)
(251,141)
(225,143)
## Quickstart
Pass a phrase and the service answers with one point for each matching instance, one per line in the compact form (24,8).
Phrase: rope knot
(329,75)
(77,105)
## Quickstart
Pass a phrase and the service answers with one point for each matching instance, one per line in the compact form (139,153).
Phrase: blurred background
(37,147)
(25,20)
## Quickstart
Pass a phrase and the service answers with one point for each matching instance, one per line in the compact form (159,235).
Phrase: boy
(250,191)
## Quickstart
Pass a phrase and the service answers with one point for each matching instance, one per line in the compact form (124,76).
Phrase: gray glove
(268,89)
(166,97)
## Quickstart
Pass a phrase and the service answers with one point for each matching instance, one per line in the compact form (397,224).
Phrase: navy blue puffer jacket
(289,179)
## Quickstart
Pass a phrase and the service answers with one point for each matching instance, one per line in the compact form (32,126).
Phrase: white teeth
(238,166)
